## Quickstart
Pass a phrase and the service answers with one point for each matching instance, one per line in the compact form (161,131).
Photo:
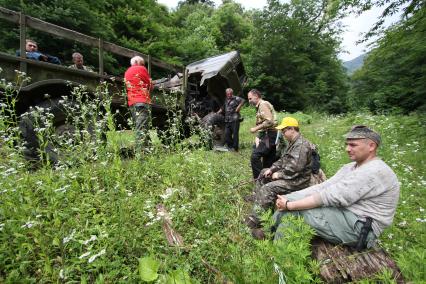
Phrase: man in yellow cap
(290,173)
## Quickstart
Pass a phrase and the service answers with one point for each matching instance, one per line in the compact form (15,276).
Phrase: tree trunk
(341,264)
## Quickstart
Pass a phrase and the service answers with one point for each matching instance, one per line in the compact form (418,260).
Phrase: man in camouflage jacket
(263,154)
(290,173)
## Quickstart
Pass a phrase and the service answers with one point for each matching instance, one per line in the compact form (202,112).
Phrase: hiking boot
(249,198)
(258,234)
(252,222)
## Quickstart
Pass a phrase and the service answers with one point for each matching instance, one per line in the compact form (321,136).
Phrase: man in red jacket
(139,84)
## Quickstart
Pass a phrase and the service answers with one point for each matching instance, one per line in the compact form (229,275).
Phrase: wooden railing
(25,21)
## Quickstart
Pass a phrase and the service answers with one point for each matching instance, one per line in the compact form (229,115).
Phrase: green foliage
(393,75)
(289,49)
(294,60)
(292,252)
(148,269)
(231,26)
(96,222)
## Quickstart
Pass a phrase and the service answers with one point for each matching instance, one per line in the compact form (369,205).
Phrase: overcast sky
(355,26)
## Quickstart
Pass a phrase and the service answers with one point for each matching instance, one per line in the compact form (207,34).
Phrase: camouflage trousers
(266,193)
(267,190)
(141,115)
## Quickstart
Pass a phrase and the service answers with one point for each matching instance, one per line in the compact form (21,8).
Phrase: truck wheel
(216,124)
(64,131)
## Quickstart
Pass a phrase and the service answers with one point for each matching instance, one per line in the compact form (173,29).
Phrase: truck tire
(216,124)
(63,128)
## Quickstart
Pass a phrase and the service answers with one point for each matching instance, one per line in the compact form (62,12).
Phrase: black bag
(315,162)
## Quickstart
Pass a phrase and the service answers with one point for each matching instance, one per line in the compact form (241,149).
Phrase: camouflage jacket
(294,166)
(85,68)
(265,115)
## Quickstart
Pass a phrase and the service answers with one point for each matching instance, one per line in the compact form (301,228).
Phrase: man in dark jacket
(231,108)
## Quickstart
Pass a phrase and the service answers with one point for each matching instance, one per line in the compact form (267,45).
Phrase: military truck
(199,88)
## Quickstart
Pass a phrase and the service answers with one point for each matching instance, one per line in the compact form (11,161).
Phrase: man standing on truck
(263,154)
(231,108)
(138,85)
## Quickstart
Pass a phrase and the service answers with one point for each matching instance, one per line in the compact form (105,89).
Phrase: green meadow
(94,219)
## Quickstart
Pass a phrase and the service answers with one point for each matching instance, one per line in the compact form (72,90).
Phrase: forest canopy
(289,48)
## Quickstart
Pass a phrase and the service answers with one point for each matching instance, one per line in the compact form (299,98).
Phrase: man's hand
(43,57)
(253,129)
(275,176)
(281,203)
(267,173)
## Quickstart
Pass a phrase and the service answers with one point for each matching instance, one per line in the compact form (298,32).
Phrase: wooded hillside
(289,49)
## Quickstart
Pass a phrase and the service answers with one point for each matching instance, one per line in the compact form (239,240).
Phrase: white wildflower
(390,236)
(92,238)
(403,223)
(93,257)
(69,238)
(84,255)
(421,209)
(28,225)
(62,189)
(150,215)
(61,274)
(1,226)
(420,220)
(9,172)
(169,192)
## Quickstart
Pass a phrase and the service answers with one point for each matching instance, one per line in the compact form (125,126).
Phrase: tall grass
(96,220)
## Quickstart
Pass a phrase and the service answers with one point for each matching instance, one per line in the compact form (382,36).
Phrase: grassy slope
(47,218)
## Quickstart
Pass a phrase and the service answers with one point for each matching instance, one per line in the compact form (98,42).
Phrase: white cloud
(356,26)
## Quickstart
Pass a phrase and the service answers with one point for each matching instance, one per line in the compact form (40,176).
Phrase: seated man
(77,58)
(366,189)
(290,173)
(33,53)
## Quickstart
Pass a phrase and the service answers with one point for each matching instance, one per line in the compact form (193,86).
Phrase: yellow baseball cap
(288,122)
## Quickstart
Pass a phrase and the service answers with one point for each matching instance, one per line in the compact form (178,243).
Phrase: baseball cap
(363,132)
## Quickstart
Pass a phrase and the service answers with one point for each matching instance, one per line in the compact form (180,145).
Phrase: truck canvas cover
(227,65)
